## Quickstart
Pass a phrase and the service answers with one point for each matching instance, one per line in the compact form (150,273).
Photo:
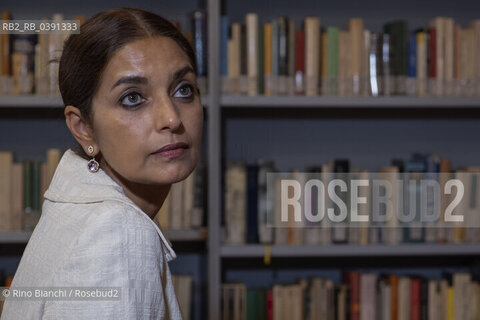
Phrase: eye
(131,99)
(184,91)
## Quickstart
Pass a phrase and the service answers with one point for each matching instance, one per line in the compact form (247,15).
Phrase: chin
(175,174)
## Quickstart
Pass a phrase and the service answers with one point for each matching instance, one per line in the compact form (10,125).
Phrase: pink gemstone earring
(92,165)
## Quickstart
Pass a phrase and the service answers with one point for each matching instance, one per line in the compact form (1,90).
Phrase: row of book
(25,66)
(182,284)
(184,207)
(360,296)
(23,184)
(251,215)
(276,58)
(25,59)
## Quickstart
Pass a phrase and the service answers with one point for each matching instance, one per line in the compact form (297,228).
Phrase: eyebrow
(181,72)
(142,80)
(131,80)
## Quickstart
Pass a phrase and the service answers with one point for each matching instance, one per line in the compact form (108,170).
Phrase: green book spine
(262,304)
(27,184)
(332,52)
(252,312)
(36,185)
(261,62)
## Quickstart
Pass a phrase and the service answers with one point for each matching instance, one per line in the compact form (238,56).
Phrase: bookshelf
(42,114)
(36,101)
(262,114)
(351,251)
(231,101)
(219,105)
(172,235)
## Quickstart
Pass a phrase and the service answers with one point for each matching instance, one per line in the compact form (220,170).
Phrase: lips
(173,146)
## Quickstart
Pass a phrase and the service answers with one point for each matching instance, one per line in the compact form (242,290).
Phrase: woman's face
(147,99)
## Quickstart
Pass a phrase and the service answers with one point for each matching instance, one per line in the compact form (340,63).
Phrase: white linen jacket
(91,234)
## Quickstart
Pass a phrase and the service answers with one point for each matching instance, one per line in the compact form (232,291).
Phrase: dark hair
(86,54)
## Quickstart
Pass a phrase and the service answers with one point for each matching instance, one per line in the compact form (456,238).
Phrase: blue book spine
(415,168)
(412,56)
(223,45)
(199,22)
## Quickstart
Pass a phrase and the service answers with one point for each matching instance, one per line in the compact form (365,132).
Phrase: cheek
(118,138)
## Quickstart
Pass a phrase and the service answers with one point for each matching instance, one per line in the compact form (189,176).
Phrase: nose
(166,115)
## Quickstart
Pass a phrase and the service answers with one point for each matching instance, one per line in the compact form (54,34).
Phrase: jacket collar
(72,182)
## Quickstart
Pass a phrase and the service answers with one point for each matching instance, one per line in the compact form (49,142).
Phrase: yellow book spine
(450,304)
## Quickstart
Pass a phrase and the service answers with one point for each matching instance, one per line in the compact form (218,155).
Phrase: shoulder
(109,240)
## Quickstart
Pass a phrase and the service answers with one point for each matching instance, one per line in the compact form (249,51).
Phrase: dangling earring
(92,165)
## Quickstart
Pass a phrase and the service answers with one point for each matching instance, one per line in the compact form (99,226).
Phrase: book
(183,286)
(200,45)
(235,203)
(251,22)
(6,162)
(312,55)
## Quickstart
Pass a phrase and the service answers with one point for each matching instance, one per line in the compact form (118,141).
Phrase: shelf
(258,251)
(172,235)
(187,234)
(15,237)
(31,101)
(228,101)
(38,101)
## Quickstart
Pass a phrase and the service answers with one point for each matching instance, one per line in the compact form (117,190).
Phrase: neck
(147,197)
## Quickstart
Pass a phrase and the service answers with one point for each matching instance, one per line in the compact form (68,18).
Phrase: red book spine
(415,299)
(299,61)
(432,53)
(354,284)
(269,305)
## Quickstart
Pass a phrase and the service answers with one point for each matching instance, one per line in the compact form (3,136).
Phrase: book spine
(332,60)
(55,47)
(252,203)
(300,62)
(243,84)
(415,299)
(448,84)
(176,206)
(291,57)
(261,61)
(6,163)
(356,32)
(199,202)
(235,203)
(223,45)
(268,64)
(421,63)
(251,22)
(323,58)
(199,23)
(17,197)
(282,24)
(312,55)
(27,186)
(5,49)
(412,65)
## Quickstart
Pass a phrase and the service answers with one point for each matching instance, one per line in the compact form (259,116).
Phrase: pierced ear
(79,128)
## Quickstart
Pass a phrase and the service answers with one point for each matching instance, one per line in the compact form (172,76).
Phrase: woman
(128,81)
